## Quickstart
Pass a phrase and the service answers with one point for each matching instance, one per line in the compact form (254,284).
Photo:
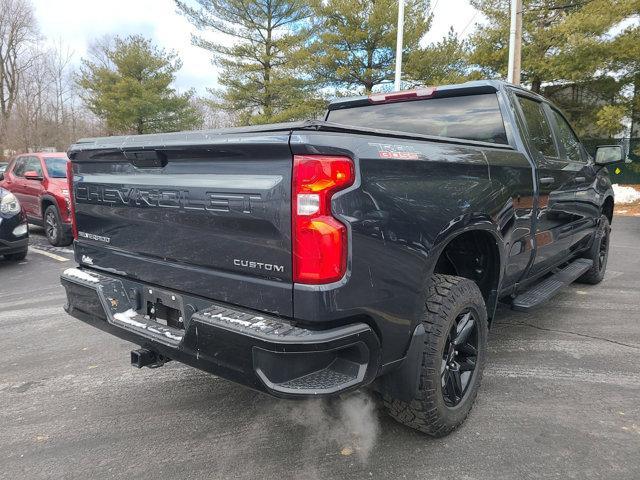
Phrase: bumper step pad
(260,325)
(292,360)
(325,379)
(119,307)
(543,291)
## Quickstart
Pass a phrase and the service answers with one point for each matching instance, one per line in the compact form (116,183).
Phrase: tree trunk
(635,111)
(368,86)
(536,85)
(4,121)
(368,81)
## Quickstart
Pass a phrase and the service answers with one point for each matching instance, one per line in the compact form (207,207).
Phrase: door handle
(581,179)
(547,180)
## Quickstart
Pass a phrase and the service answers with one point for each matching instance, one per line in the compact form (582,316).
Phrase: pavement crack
(569,332)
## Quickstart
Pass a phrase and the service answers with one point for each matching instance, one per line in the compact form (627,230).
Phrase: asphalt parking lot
(560,398)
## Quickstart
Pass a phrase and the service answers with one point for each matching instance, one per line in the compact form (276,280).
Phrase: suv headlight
(9,204)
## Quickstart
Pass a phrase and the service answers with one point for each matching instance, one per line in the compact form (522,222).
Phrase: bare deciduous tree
(48,111)
(18,31)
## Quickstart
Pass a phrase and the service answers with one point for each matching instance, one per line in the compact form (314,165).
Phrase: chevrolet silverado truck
(367,249)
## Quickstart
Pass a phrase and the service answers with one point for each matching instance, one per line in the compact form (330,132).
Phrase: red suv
(39,180)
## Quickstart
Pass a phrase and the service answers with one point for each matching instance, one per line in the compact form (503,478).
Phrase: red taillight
(424,92)
(319,240)
(72,200)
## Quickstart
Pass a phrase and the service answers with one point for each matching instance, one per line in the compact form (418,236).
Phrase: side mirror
(32,175)
(608,154)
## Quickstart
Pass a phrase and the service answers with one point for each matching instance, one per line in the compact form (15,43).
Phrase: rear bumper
(10,243)
(17,246)
(263,352)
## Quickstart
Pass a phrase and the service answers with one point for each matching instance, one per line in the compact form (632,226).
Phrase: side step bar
(543,291)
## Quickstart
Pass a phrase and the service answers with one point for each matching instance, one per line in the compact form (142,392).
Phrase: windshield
(56,167)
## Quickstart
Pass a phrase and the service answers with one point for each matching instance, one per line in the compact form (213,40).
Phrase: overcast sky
(76,23)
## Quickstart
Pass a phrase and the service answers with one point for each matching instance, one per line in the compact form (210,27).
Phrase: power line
(433,9)
(468,24)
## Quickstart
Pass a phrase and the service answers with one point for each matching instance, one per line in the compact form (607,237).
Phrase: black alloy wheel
(598,253)
(603,251)
(452,358)
(459,358)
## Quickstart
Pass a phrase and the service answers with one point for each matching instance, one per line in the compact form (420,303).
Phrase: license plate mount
(164,307)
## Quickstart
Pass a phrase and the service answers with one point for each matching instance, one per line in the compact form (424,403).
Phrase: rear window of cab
(470,117)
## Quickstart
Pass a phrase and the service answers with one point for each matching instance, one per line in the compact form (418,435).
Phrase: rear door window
(538,127)
(470,117)
(568,139)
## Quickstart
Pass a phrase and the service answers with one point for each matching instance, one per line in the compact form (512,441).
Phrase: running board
(543,291)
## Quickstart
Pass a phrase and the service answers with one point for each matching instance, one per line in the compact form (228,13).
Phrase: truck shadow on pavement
(538,372)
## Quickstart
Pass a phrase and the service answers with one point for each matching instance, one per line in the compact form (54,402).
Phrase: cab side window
(538,127)
(19,167)
(34,165)
(568,139)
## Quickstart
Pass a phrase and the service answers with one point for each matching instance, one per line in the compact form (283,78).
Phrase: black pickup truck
(314,258)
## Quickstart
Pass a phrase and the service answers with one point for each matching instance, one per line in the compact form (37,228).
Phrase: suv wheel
(599,253)
(53,228)
(453,358)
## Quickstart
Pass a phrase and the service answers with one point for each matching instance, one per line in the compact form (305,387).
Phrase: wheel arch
(45,202)
(607,208)
(482,241)
(400,383)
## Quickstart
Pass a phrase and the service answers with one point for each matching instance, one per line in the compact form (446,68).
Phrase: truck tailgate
(213,219)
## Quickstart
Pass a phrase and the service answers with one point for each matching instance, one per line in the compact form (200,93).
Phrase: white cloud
(77,23)
(458,14)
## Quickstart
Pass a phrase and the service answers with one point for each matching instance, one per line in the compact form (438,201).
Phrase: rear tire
(53,228)
(16,257)
(598,253)
(446,390)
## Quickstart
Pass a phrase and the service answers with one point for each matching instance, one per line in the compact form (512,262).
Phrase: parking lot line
(48,254)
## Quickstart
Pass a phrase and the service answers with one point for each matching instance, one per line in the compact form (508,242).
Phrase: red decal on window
(398,155)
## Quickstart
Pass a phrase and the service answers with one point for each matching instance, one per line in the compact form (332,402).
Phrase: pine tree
(624,61)
(562,39)
(564,42)
(128,84)
(444,62)
(260,71)
(355,40)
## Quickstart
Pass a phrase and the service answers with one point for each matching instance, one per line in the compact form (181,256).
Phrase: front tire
(453,358)
(54,229)
(598,253)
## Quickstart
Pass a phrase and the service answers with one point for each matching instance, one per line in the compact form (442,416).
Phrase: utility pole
(399,41)
(515,43)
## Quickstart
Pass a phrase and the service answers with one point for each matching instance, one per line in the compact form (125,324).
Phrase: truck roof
(440,91)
